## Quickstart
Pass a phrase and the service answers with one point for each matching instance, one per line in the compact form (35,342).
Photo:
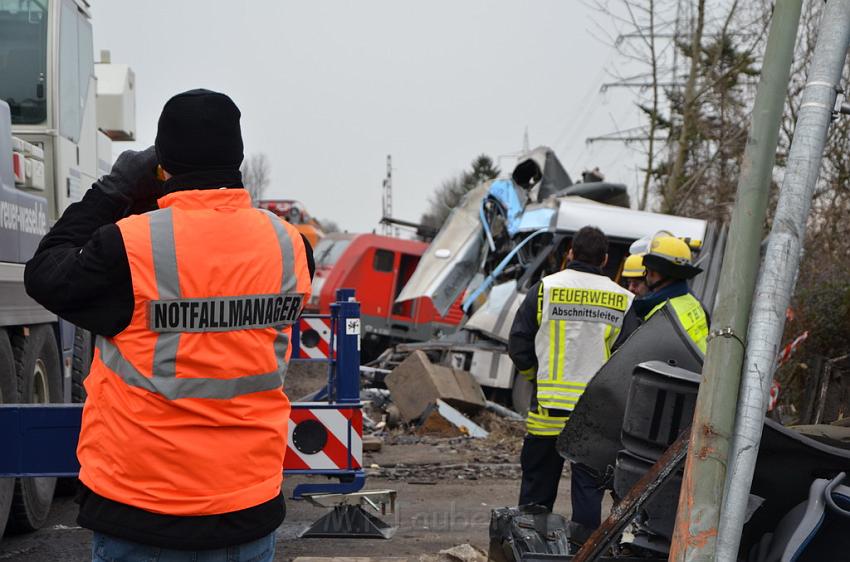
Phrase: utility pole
(698,515)
(387,202)
(781,262)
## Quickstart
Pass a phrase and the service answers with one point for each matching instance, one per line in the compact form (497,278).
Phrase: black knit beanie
(199,130)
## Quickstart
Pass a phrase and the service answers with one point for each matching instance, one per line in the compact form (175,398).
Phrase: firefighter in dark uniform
(668,266)
(562,334)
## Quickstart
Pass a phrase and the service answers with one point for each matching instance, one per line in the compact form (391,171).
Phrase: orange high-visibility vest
(186,413)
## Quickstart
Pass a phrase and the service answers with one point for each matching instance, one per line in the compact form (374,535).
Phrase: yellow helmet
(633,267)
(671,257)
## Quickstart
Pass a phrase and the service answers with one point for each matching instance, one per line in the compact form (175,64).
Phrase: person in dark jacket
(561,336)
(81,272)
(668,265)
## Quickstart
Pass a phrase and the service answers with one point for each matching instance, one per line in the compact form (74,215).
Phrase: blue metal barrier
(41,439)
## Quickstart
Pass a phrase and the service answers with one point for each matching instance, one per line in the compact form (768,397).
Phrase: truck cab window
(23,59)
(75,69)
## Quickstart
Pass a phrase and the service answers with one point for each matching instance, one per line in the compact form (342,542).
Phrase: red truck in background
(377,267)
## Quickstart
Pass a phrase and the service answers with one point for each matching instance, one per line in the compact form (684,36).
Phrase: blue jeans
(106,548)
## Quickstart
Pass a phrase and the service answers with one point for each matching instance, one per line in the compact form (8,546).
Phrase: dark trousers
(106,548)
(541,472)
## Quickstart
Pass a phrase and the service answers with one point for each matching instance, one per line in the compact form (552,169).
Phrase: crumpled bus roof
(617,222)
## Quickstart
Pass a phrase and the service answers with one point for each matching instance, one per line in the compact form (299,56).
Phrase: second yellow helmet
(633,266)
(670,256)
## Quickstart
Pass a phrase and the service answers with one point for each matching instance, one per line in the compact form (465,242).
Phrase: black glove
(132,184)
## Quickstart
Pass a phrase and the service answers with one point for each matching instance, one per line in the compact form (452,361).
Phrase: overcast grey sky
(328,88)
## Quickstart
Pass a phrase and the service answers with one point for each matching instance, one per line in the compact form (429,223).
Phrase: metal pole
(347,383)
(781,262)
(698,515)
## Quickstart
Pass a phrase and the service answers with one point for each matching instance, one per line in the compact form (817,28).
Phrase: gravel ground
(446,487)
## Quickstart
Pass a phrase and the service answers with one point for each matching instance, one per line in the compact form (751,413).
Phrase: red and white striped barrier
(323,438)
(315,338)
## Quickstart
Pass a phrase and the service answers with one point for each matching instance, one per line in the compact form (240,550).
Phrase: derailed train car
(505,236)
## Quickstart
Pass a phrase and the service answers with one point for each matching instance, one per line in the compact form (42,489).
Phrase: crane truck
(59,113)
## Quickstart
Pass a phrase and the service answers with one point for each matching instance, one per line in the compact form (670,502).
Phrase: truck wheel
(39,380)
(521,394)
(80,365)
(83,353)
(8,395)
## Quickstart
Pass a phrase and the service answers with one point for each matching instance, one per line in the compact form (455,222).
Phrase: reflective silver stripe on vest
(287,253)
(288,281)
(164,382)
(174,388)
(167,285)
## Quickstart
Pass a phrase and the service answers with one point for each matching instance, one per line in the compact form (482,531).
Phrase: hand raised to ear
(132,182)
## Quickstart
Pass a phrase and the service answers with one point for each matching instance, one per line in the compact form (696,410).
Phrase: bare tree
(701,58)
(690,115)
(653,110)
(644,33)
(256,175)
(709,90)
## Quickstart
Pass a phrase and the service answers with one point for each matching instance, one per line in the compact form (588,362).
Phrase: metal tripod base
(350,522)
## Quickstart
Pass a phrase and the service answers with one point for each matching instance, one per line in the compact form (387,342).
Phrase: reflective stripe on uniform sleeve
(288,282)
(530,374)
(287,252)
(540,303)
(541,424)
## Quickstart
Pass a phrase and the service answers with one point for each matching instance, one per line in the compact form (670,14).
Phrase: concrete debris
(463,423)
(379,397)
(416,384)
(393,415)
(436,425)
(372,443)
(463,553)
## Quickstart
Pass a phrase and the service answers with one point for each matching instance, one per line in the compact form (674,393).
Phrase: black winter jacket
(80,272)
